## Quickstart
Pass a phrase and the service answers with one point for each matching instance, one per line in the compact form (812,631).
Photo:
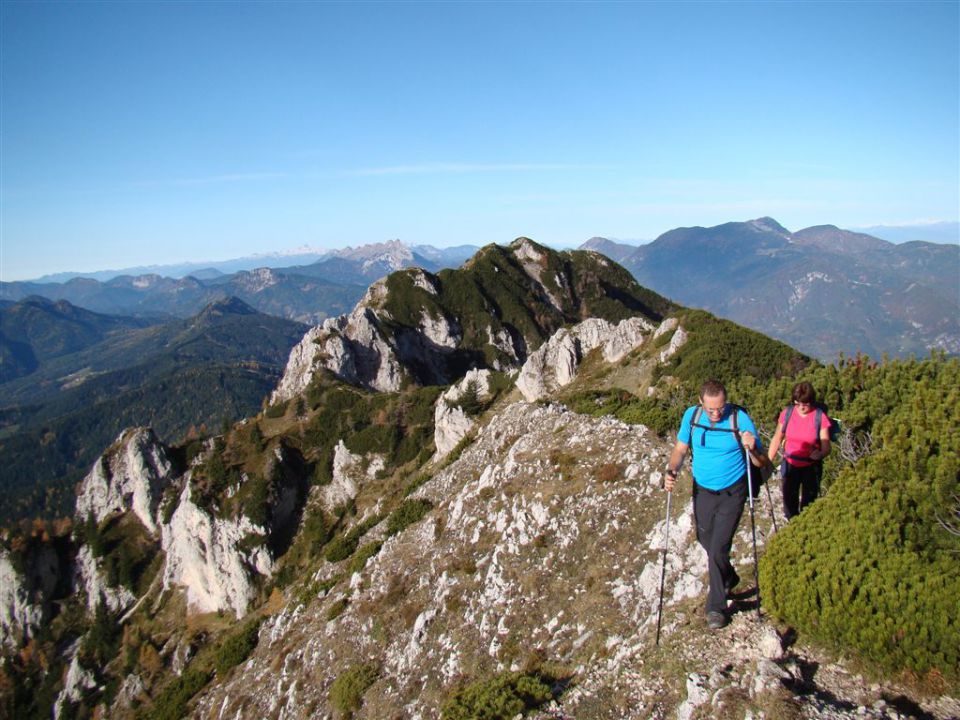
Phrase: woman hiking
(804,431)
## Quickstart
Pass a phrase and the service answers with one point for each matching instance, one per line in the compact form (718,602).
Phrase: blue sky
(151,133)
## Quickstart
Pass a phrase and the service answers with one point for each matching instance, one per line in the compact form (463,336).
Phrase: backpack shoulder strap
(693,423)
(788,412)
(696,416)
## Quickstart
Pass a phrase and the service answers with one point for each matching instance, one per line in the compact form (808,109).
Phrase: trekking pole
(773,512)
(663,568)
(753,528)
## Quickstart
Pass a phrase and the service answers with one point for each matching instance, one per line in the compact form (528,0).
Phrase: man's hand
(749,440)
(669,480)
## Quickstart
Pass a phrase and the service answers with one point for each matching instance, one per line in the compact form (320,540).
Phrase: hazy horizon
(138,134)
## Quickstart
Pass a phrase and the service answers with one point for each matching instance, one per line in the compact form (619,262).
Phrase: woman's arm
(775,443)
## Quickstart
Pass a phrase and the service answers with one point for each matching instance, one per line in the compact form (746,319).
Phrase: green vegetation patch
(869,567)
(346,692)
(171,702)
(724,350)
(237,647)
(407,513)
(501,697)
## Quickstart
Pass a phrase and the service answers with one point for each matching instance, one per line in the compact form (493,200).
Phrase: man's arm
(674,464)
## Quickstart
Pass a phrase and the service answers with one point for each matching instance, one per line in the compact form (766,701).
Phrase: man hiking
(716,432)
(804,431)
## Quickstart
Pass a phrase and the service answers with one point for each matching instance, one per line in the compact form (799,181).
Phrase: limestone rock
(698,693)
(216,560)
(27,585)
(771,646)
(89,578)
(451,423)
(131,475)
(75,682)
(555,363)
(354,347)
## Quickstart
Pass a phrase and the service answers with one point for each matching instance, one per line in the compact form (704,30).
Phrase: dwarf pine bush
(237,647)
(868,568)
(498,698)
(346,692)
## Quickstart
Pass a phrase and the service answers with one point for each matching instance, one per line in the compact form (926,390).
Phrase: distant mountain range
(823,290)
(299,257)
(106,373)
(935,232)
(305,293)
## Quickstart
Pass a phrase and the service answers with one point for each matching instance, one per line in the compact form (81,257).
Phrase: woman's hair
(804,393)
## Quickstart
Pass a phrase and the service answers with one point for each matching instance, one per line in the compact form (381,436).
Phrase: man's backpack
(821,410)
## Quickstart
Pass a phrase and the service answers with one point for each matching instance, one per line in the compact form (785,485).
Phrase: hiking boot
(731,583)
(716,620)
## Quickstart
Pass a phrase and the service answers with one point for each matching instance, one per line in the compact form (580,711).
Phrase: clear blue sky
(139,133)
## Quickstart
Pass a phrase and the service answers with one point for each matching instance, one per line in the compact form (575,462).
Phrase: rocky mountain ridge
(402,552)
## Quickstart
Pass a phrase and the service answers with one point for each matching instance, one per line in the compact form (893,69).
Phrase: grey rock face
(451,423)
(130,476)
(555,363)
(26,587)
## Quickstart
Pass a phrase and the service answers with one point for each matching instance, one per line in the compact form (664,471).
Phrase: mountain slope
(822,289)
(186,373)
(36,329)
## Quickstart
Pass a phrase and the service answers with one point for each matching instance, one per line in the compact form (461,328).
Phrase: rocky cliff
(494,312)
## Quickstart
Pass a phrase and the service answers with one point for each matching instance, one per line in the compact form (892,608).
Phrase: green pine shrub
(363,554)
(407,513)
(171,702)
(340,548)
(868,567)
(337,609)
(237,647)
(498,698)
(346,692)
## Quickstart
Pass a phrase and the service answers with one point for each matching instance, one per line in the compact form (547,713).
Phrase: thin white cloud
(463,168)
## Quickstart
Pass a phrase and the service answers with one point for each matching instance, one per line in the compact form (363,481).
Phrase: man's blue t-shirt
(718,460)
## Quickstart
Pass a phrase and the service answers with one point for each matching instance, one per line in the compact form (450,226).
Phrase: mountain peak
(392,251)
(226,306)
(768,224)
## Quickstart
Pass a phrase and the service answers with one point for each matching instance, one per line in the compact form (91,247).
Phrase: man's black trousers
(717,515)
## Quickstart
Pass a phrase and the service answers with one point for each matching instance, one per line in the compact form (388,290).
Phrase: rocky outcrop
(215,560)
(353,347)
(451,422)
(27,584)
(677,340)
(131,475)
(90,580)
(76,681)
(542,536)
(347,475)
(555,363)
